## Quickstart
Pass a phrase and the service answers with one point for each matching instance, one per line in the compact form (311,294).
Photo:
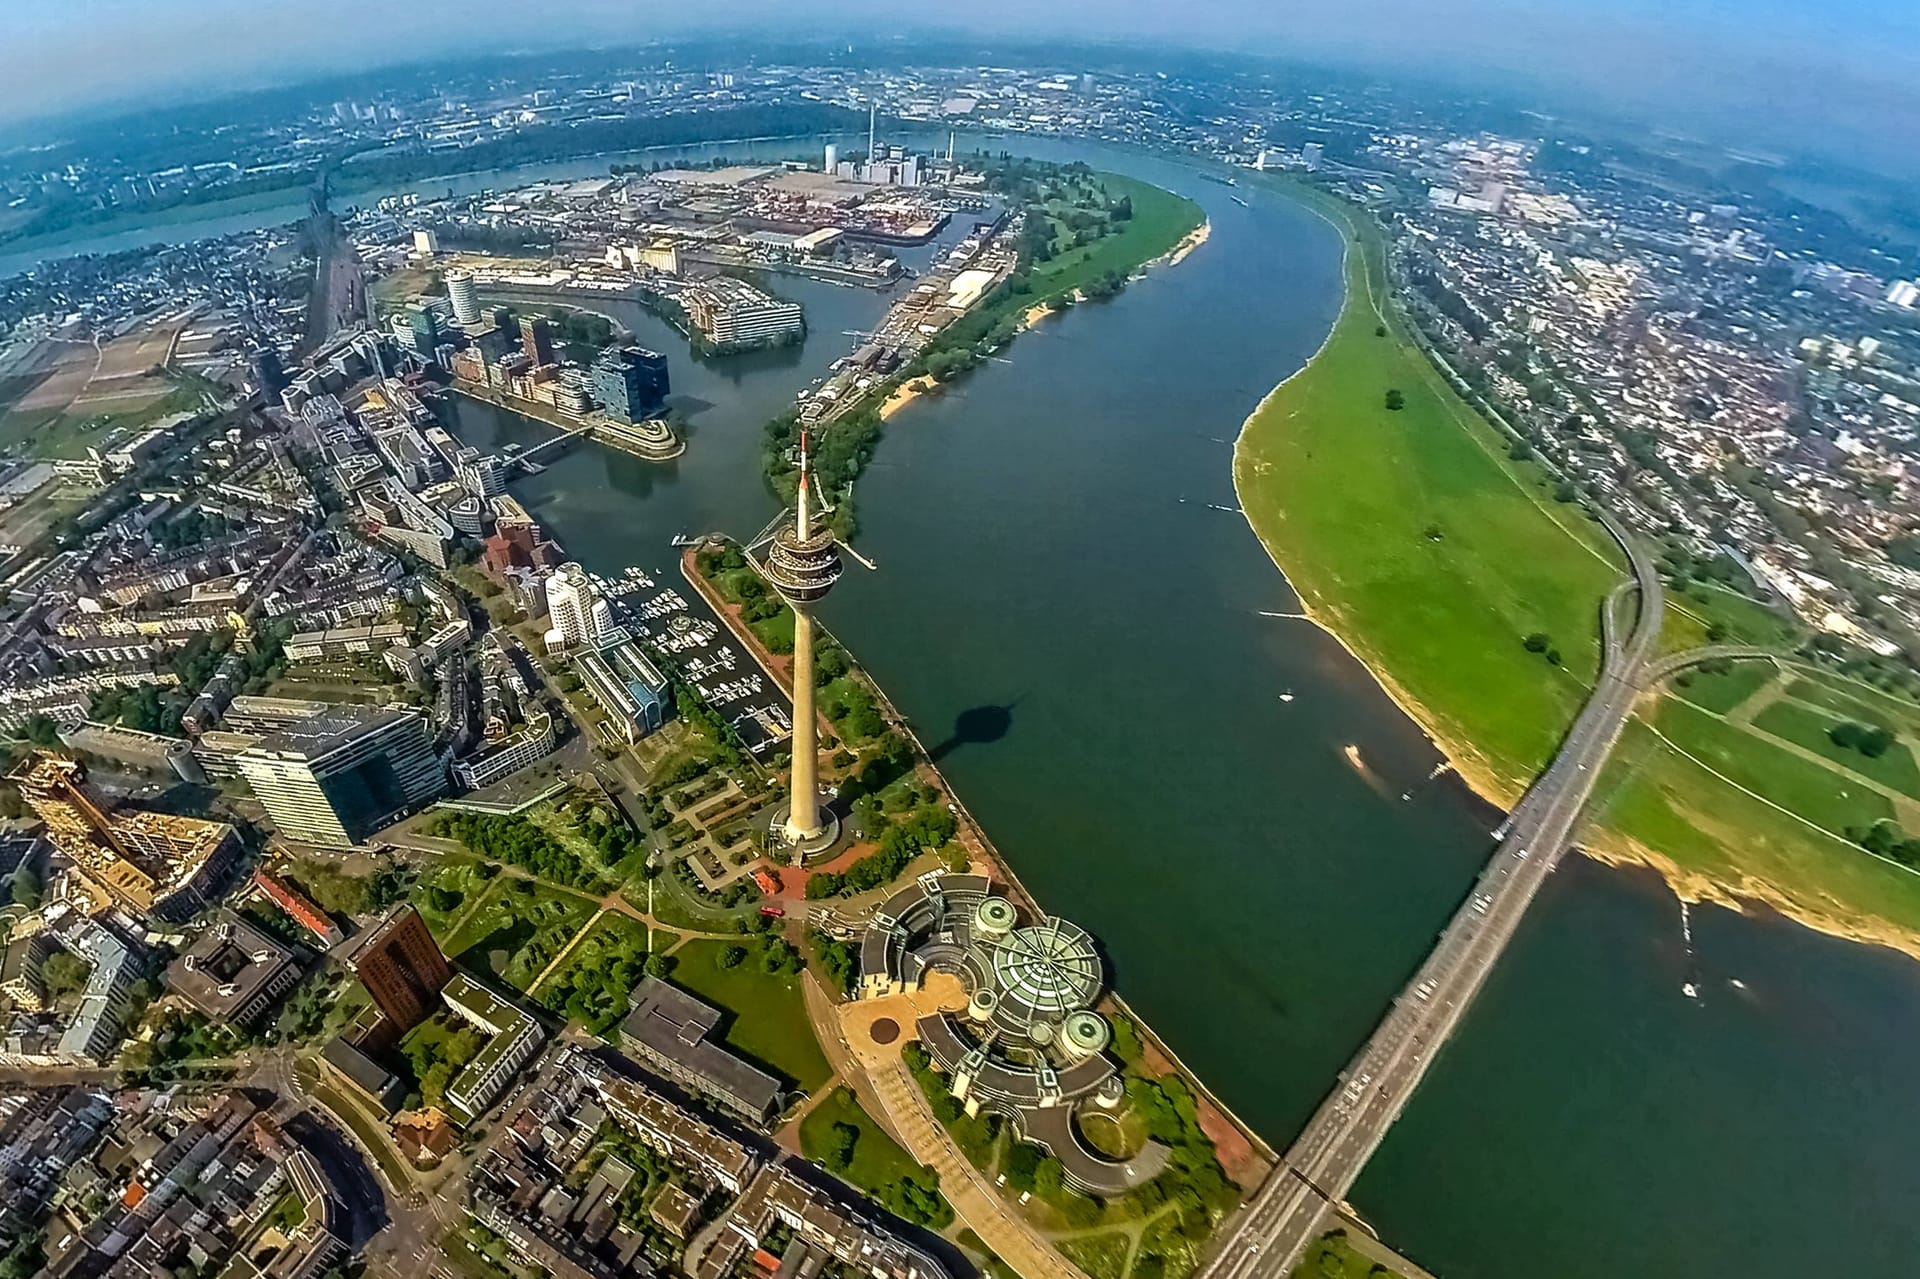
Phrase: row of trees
(518,842)
(929,827)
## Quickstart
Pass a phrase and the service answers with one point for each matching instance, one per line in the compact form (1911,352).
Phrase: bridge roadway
(1293,1207)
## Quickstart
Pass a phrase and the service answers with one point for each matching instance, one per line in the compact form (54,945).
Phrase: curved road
(1295,1204)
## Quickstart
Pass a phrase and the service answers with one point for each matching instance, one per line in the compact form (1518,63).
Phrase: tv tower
(803,563)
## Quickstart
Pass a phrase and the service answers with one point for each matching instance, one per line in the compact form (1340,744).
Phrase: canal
(1083,629)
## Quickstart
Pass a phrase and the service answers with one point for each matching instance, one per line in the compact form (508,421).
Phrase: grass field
(1721,692)
(769,1015)
(1856,701)
(1808,729)
(1798,785)
(516,931)
(1400,530)
(1414,537)
(878,1161)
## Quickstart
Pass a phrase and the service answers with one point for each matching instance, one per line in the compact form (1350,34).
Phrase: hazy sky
(1802,69)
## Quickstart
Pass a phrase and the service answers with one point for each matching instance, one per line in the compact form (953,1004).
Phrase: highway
(1294,1205)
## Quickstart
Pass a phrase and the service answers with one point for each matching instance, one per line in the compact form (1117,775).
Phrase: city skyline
(1829,80)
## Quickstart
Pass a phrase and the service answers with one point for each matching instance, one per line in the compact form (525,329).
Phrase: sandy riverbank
(1193,240)
(906,393)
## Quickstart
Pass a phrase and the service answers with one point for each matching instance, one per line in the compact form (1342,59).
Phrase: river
(1079,623)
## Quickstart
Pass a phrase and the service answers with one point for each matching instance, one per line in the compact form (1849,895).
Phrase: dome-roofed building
(1028,1044)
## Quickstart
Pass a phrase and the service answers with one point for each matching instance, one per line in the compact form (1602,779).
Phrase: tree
(732,955)
(1845,735)
(27,888)
(841,1140)
(1565,491)
(1538,642)
(659,965)
(1395,400)
(63,974)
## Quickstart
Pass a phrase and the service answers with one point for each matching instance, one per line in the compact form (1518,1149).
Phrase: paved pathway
(891,1094)
(973,1197)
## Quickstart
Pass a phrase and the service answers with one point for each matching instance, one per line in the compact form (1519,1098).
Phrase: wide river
(1058,553)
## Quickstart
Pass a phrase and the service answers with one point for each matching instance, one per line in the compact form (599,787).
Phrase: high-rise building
(630,382)
(269,378)
(337,777)
(466,302)
(402,968)
(149,863)
(1903,294)
(1312,154)
(803,563)
(426,243)
(536,340)
(580,617)
(423,328)
(832,164)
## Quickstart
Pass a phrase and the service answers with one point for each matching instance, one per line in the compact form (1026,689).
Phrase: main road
(1293,1206)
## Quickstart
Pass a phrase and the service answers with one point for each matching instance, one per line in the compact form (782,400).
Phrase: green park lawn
(1723,691)
(878,1160)
(1856,701)
(769,1015)
(1818,794)
(517,930)
(1675,807)
(1417,539)
(1160,221)
(1335,1258)
(1808,729)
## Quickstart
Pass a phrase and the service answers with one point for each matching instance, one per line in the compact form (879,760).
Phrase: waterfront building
(803,563)
(580,618)
(731,314)
(536,340)
(1028,1044)
(337,777)
(402,968)
(630,382)
(633,711)
(423,330)
(465,300)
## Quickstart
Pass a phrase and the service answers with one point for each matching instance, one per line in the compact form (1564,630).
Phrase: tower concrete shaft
(803,564)
(803,819)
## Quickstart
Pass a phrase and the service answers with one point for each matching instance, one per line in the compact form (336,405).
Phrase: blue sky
(1843,70)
